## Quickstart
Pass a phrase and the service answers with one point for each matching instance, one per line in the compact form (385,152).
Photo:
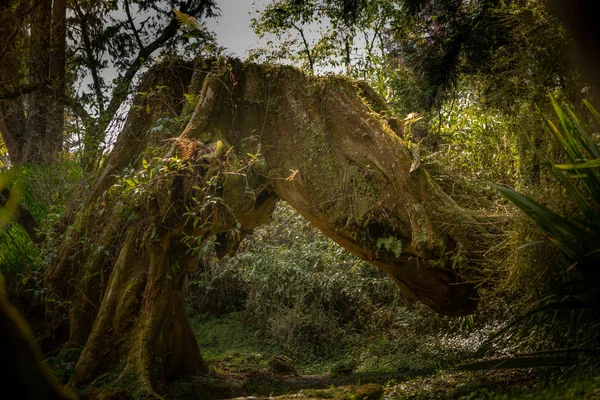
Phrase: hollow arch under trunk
(208,149)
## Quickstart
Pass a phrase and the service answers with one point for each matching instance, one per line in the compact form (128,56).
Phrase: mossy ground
(231,344)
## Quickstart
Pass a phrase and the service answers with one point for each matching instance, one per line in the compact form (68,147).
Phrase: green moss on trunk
(257,134)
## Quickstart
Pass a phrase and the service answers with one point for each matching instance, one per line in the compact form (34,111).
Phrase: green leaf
(390,244)
(584,165)
(561,231)
(185,19)
(590,213)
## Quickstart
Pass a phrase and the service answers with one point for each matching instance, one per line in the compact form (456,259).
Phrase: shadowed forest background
(387,199)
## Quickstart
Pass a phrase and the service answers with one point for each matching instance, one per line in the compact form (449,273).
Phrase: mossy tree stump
(207,151)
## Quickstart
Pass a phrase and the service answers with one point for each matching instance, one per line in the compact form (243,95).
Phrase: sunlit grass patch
(229,337)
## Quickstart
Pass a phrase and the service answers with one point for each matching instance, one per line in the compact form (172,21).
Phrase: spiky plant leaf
(584,165)
(561,231)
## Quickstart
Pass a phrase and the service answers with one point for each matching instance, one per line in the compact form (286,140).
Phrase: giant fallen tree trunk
(184,174)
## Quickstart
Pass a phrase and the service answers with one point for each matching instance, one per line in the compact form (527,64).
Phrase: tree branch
(91,61)
(306,46)
(132,25)
(78,110)
(121,90)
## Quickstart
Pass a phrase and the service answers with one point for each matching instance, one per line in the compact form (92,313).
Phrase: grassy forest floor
(240,355)
(343,331)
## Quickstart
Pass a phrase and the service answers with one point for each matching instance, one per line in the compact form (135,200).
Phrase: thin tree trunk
(38,150)
(57,74)
(12,113)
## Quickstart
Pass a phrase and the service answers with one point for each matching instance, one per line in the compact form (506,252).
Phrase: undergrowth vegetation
(562,320)
(46,191)
(19,254)
(474,140)
(305,296)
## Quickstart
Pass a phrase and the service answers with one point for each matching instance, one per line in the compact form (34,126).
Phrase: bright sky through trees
(233,26)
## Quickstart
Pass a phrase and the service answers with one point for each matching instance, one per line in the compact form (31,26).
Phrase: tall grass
(578,236)
(18,254)
(563,326)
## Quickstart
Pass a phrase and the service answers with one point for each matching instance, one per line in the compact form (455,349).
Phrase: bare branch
(132,26)
(91,60)
(121,90)
(306,47)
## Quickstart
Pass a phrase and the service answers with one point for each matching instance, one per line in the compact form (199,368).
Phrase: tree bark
(257,134)
(118,282)
(39,149)
(33,133)
(12,113)
(57,74)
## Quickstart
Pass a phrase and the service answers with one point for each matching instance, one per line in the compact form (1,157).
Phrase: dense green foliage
(566,315)
(19,255)
(46,193)
(314,301)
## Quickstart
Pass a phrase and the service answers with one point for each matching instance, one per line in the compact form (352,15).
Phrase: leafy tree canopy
(517,49)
